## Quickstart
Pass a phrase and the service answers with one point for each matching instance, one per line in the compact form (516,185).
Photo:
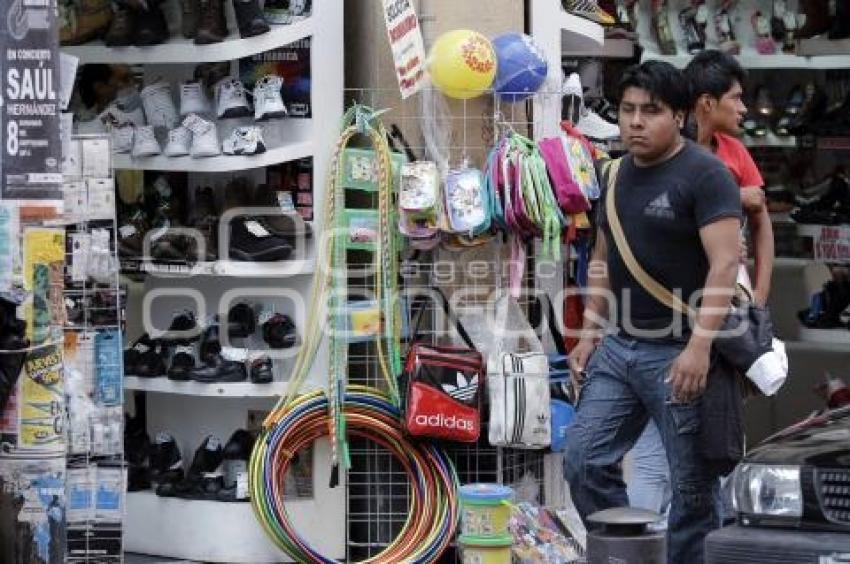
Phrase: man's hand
(579,357)
(689,373)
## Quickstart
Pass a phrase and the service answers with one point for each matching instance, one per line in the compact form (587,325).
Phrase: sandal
(764,43)
(661,25)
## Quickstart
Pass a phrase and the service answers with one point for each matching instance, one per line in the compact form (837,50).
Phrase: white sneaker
(193,100)
(145,143)
(122,138)
(594,127)
(268,100)
(179,142)
(245,140)
(124,110)
(159,106)
(231,99)
(204,136)
(572,97)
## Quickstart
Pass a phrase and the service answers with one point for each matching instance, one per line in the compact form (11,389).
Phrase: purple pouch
(570,197)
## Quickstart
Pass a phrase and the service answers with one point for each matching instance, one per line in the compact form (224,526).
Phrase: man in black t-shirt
(680,211)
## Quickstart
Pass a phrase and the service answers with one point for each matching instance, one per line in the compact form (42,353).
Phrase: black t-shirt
(662,209)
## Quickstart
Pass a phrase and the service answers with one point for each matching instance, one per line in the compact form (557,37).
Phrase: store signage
(29,101)
(406,42)
(832,244)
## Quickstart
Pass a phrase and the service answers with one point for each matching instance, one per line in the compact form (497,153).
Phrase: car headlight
(766,489)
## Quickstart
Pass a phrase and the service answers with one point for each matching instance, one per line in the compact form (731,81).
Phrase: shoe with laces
(193,100)
(590,10)
(268,100)
(594,127)
(249,18)
(126,109)
(145,143)
(244,140)
(179,142)
(204,136)
(572,95)
(159,106)
(122,138)
(231,99)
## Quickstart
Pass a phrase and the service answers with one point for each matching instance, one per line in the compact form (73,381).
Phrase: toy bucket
(485,510)
(486,550)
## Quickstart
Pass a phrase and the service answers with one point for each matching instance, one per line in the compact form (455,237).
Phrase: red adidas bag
(442,387)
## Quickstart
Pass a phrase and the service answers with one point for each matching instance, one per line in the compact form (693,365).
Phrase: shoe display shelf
(831,243)
(771,140)
(215,531)
(749,57)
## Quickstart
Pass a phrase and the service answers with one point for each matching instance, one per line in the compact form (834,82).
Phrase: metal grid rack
(377,489)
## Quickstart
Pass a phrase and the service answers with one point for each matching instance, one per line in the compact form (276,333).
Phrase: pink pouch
(570,197)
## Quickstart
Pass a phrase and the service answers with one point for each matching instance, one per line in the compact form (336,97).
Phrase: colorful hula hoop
(433,513)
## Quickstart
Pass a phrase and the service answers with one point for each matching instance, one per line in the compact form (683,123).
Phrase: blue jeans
(626,387)
(648,485)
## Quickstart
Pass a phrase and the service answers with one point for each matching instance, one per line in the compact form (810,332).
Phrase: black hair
(663,81)
(89,76)
(714,73)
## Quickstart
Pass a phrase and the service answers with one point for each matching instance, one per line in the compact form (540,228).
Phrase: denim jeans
(626,387)
(648,482)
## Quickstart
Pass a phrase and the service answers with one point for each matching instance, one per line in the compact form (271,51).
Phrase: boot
(212,26)
(817,18)
(250,18)
(151,25)
(841,22)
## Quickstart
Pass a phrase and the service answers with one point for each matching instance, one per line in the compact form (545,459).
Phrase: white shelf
(770,140)
(612,48)
(838,339)
(754,60)
(180,50)
(163,385)
(233,269)
(574,25)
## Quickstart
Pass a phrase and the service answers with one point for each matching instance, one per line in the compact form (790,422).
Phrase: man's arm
(689,372)
(595,309)
(761,228)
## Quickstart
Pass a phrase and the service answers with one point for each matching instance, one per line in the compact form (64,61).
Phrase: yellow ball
(462,64)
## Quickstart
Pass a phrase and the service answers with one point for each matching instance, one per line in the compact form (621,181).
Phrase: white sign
(832,244)
(406,42)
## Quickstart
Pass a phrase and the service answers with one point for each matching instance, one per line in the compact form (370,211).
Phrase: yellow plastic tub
(485,550)
(485,510)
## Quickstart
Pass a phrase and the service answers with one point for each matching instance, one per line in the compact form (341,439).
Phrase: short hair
(662,80)
(88,77)
(714,73)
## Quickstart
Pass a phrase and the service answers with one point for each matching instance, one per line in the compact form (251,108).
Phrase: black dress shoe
(145,359)
(251,241)
(207,459)
(261,370)
(215,368)
(237,452)
(182,363)
(241,321)
(137,447)
(166,463)
(280,332)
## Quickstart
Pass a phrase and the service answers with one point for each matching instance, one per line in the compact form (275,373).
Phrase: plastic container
(485,510)
(486,550)
(563,414)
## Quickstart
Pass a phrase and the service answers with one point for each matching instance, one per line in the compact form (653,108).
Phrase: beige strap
(650,284)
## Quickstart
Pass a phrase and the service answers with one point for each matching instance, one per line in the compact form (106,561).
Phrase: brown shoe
(189,18)
(120,33)
(83,20)
(212,26)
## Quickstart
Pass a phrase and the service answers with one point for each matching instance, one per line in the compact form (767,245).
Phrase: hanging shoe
(83,20)
(212,24)
(816,18)
(245,140)
(249,18)
(179,142)
(661,27)
(261,370)
(726,33)
(763,41)
(193,100)
(204,136)
(589,10)
(188,18)
(789,25)
(145,143)
(231,99)
(777,20)
(251,241)
(268,98)
(122,28)
(151,25)
(694,20)
(159,106)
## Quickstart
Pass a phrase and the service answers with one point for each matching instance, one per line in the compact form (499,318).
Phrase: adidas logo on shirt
(660,208)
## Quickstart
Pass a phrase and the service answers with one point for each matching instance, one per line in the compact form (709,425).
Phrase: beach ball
(462,64)
(522,66)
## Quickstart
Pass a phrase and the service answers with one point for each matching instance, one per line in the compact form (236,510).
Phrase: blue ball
(521,66)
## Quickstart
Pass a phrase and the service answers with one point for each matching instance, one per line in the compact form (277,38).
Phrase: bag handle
(557,336)
(448,311)
(650,284)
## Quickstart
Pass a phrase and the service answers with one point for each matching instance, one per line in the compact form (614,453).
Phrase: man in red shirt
(718,109)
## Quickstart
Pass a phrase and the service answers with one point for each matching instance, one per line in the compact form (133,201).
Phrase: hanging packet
(465,205)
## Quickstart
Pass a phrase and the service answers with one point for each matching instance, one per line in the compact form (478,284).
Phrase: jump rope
(298,420)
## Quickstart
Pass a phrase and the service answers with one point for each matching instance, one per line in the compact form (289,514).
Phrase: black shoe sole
(230,376)
(272,115)
(202,38)
(269,255)
(254,29)
(238,112)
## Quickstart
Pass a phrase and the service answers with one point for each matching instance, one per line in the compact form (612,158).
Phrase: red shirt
(738,160)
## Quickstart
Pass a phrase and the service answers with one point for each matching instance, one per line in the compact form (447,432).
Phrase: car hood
(822,441)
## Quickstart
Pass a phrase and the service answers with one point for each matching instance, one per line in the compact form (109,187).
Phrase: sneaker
(151,25)
(192,99)
(590,10)
(573,98)
(594,127)
(145,143)
(244,140)
(122,138)
(204,136)
(251,241)
(268,100)
(125,109)
(182,363)
(249,18)
(179,142)
(231,99)
(212,25)
(159,105)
